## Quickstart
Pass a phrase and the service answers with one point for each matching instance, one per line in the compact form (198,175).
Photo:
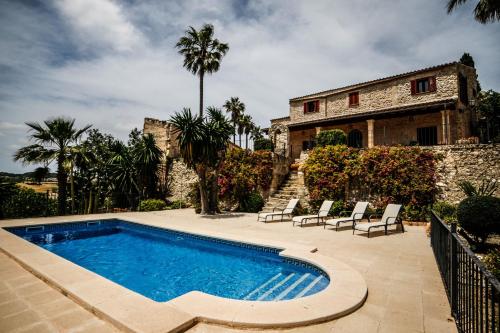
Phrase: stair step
(276,286)
(291,287)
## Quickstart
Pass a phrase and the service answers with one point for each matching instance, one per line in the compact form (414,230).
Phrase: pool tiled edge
(135,313)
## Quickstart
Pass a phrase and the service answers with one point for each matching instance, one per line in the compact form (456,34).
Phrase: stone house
(430,106)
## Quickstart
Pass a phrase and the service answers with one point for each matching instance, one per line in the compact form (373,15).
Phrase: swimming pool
(163,264)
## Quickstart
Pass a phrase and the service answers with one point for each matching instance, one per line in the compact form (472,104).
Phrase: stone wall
(180,180)
(165,135)
(466,163)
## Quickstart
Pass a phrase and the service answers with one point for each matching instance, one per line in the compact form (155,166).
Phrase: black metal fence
(473,292)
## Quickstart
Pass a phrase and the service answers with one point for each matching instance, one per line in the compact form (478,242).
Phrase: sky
(111,63)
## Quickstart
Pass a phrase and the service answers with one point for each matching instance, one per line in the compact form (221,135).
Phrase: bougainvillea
(327,172)
(243,172)
(384,175)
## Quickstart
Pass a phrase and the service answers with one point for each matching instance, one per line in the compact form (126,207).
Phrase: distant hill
(19,177)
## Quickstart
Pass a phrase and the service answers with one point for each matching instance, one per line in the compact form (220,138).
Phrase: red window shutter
(356,98)
(413,87)
(305,107)
(432,83)
(317,107)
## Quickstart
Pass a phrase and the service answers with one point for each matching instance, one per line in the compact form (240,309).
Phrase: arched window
(355,139)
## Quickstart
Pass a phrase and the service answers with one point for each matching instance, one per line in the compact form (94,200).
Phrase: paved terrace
(405,291)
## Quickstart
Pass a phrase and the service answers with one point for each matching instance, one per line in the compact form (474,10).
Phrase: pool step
(284,286)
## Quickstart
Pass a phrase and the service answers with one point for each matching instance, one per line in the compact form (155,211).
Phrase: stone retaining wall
(466,163)
(180,179)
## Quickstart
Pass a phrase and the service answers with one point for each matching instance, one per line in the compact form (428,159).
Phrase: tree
(40,173)
(147,158)
(202,53)
(485,11)
(202,143)
(248,125)
(488,110)
(235,108)
(467,60)
(53,141)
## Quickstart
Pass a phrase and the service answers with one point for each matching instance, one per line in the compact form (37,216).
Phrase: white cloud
(278,50)
(100,23)
(5,125)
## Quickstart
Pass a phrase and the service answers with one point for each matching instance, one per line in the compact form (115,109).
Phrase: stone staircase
(292,187)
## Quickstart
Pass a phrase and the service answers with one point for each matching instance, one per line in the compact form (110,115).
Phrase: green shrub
(149,205)
(492,262)
(262,144)
(446,211)
(24,202)
(337,207)
(479,216)
(253,203)
(331,138)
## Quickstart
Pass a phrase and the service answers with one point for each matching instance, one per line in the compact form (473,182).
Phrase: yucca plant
(486,189)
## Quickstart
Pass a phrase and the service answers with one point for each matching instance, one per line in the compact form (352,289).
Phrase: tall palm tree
(54,140)
(486,10)
(247,124)
(235,108)
(202,53)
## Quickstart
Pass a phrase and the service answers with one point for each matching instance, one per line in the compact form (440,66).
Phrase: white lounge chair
(323,212)
(281,212)
(356,215)
(390,217)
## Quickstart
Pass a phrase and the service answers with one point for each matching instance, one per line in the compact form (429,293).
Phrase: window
(427,136)
(423,85)
(354,98)
(312,106)
(464,96)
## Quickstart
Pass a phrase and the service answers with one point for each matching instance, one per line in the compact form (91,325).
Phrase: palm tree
(147,157)
(236,108)
(53,141)
(202,53)
(202,142)
(191,135)
(247,124)
(486,10)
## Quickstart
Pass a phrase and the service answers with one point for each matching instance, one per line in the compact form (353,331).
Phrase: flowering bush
(405,175)
(244,172)
(327,171)
(384,175)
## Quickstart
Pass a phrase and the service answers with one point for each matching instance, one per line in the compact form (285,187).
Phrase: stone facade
(466,163)
(388,112)
(180,180)
(165,135)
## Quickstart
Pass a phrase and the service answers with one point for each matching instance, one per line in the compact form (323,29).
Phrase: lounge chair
(356,215)
(281,212)
(390,217)
(323,212)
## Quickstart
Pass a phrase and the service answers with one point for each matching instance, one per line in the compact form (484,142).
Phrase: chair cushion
(366,226)
(300,218)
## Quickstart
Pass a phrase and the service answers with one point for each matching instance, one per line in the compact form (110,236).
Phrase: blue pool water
(163,264)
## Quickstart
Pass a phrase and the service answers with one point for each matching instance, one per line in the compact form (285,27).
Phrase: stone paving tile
(29,305)
(405,290)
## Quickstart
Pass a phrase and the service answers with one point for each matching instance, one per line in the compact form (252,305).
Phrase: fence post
(453,269)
